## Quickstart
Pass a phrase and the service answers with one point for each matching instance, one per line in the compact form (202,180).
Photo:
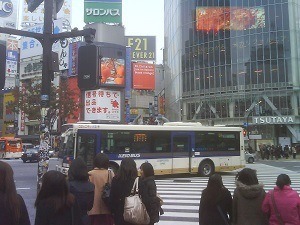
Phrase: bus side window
(161,141)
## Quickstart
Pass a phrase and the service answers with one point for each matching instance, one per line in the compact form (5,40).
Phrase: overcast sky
(140,17)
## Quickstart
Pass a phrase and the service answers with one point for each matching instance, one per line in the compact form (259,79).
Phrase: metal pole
(43,164)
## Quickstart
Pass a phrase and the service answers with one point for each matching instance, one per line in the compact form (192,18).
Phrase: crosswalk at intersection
(182,195)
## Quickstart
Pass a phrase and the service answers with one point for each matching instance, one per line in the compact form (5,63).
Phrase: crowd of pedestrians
(277,152)
(250,204)
(78,199)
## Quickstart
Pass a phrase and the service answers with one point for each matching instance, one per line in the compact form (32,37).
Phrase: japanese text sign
(102,105)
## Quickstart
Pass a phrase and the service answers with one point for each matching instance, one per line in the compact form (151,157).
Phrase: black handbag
(106,191)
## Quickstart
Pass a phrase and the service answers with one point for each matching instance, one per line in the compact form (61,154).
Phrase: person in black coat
(147,190)
(81,187)
(13,210)
(55,205)
(216,203)
(120,188)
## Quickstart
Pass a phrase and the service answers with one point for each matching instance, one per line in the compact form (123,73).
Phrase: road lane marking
(23,188)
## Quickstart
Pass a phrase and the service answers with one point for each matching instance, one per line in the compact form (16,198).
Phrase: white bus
(172,148)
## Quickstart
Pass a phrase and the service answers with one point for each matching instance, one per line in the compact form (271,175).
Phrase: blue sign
(128,78)
(12,55)
(6,8)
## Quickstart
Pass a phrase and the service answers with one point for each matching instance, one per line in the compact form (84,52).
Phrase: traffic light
(33,4)
(244,132)
(2,65)
(88,67)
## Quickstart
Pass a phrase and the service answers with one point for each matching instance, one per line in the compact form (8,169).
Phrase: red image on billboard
(112,71)
(233,18)
(72,85)
(143,76)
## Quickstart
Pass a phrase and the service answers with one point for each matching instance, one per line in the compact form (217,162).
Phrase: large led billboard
(112,71)
(229,18)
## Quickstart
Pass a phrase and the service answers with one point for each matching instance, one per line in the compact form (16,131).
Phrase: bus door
(182,145)
(87,146)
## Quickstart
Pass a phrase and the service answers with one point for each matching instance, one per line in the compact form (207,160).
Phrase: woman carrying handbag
(148,192)
(282,204)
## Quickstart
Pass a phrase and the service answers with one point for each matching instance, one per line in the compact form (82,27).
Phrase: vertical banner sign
(63,54)
(103,11)
(22,112)
(142,47)
(155,105)
(73,58)
(102,105)
(128,79)
(12,57)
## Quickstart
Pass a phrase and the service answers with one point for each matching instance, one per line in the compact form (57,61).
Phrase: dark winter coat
(209,214)
(147,190)
(5,215)
(247,201)
(84,194)
(46,215)
(119,190)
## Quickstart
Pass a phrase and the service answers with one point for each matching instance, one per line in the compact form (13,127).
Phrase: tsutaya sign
(274,120)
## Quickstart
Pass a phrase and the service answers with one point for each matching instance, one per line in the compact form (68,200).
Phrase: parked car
(31,155)
(249,157)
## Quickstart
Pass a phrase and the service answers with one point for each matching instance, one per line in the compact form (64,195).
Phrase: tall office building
(235,62)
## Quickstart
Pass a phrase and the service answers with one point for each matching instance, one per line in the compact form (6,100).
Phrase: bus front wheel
(206,168)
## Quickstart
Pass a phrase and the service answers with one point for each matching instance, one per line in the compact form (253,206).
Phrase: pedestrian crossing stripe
(182,195)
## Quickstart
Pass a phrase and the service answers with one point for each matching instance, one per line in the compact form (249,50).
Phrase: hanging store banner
(73,85)
(103,105)
(103,11)
(63,54)
(8,13)
(143,76)
(37,16)
(128,78)
(142,47)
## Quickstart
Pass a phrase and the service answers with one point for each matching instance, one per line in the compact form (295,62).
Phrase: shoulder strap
(275,209)
(108,172)
(135,187)
(222,215)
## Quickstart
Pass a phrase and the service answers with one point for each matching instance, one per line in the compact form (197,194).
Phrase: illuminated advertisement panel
(229,18)
(143,76)
(112,71)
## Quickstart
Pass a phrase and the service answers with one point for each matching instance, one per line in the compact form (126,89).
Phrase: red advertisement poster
(143,76)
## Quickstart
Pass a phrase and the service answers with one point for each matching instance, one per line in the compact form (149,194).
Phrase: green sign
(102,12)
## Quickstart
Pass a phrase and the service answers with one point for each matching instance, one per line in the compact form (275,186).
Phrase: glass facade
(231,60)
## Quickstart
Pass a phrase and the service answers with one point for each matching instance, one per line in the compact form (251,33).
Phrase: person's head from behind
(7,183)
(101,161)
(215,182)
(8,188)
(127,169)
(147,170)
(283,180)
(55,190)
(78,170)
(247,176)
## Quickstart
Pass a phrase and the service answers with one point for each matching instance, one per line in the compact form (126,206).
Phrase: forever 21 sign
(142,47)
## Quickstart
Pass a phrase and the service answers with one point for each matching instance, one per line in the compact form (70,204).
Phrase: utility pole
(47,39)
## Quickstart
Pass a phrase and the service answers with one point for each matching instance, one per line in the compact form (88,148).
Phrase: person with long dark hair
(286,200)
(55,205)
(247,199)
(81,187)
(121,187)
(216,203)
(148,192)
(100,213)
(13,210)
